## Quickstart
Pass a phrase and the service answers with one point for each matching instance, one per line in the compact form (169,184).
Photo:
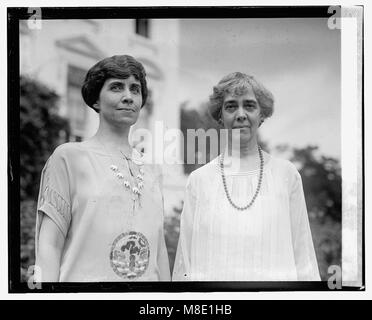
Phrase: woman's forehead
(131,78)
(236,91)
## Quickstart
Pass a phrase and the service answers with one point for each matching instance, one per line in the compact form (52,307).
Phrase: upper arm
(54,196)
(50,234)
(182,264)
(304,253)
(298,210)
(54,203)
(49,250)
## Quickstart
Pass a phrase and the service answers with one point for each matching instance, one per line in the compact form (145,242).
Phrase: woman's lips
(126,109)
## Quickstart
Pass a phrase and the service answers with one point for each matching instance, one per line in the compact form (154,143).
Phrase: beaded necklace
(258,185)
(138,180)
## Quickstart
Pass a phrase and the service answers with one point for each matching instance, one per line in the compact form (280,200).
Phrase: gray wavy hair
(237,83)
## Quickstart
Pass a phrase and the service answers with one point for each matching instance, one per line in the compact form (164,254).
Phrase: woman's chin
(246,138)
(126,121)
(242,135)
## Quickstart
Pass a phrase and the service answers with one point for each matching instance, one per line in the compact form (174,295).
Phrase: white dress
(270,241)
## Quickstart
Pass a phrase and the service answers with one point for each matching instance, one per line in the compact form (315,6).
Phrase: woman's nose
(241,115)
(127,96)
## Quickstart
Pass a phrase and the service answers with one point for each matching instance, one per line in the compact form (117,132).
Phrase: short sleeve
(54,194)
(304,253)
(182,264)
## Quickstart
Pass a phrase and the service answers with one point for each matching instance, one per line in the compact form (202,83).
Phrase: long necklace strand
(258,185)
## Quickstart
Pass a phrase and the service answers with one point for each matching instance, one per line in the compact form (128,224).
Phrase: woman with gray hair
(244,216)
(100,208)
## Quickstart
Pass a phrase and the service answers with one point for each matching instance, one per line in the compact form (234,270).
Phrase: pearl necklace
(258,185)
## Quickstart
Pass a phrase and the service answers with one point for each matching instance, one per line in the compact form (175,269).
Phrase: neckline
(267,163)
(97,148)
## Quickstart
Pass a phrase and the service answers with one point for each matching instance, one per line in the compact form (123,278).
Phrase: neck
(244,149)
(114,140)
(242,158)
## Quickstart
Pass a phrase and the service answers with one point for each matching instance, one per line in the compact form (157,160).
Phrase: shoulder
(67,155)
(285,170)
(204,176)
(283,165)
(67,149)
(207,170)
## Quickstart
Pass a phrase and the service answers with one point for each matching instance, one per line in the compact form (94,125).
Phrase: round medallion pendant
(130,254)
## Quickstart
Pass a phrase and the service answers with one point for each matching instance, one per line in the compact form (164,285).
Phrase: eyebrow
(118,81)
(115,82)
(250,100)
(234,101)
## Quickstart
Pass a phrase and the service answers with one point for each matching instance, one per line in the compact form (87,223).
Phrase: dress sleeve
(163,259)
(182,264)
(54,195)
(304,253)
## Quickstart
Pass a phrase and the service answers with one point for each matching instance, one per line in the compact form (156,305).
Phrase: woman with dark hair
(100,207)
(244,216)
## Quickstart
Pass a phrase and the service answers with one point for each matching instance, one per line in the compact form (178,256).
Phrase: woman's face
(242,112)
(120,101)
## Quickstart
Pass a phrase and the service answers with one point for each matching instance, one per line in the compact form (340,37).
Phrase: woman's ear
(262,119)
(220,121)
(96,106)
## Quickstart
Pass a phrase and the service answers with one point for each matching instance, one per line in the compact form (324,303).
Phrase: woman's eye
(250,106)
(115,87)
(136,89)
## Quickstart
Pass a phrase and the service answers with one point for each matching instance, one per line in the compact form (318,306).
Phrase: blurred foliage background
(42,130)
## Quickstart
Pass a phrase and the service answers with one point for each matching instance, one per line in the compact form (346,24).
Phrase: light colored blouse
(108,236)
(270,241)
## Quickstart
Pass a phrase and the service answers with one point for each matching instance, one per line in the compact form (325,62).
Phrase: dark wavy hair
(237,83)
(118,66)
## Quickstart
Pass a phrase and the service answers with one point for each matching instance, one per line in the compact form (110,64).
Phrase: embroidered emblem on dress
(130,254)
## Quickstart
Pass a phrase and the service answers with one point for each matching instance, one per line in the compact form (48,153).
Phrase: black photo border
(14,15)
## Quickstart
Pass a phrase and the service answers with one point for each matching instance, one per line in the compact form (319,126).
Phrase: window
(143,27)
(75,105)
